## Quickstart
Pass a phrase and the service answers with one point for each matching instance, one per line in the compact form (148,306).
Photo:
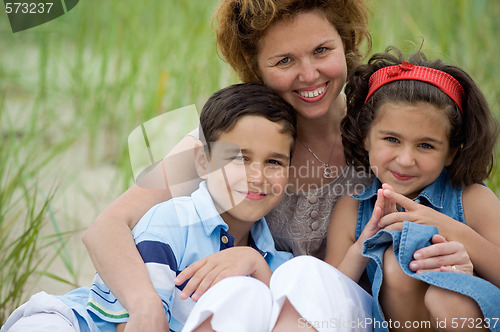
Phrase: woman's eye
(284,61)
(320,50)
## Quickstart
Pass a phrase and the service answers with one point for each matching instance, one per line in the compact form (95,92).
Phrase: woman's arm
(111,246)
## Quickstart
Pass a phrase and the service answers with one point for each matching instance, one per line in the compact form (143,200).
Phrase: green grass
(81,83)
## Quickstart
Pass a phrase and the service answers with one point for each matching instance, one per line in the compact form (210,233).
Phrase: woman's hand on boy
(235,261)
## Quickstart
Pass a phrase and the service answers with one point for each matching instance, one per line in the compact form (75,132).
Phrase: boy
(249,133)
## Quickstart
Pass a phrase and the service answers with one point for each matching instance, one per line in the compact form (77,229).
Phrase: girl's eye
(320,50)
(391,139)
(426,146)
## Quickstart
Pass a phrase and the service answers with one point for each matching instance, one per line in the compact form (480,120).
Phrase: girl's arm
(479,235)
(111,246)
(343,250)
(481,238)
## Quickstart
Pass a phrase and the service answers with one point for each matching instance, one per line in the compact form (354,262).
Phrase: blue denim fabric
(443,197)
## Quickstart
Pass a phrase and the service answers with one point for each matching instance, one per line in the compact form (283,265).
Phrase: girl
(426,131)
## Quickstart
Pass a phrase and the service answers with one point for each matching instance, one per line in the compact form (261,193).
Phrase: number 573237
(28,8)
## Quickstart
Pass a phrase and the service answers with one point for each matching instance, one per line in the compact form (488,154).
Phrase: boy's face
(248,169)
(408,145)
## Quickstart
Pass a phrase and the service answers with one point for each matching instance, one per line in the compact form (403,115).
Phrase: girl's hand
(414,212)
(235,261)
(442,256)
(383,206)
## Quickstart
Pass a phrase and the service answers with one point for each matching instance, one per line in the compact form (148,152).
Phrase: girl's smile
(408,145)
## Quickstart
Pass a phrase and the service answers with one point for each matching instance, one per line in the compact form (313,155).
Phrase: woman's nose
(308,71)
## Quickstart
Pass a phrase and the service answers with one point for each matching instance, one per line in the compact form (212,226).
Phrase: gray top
(299,223)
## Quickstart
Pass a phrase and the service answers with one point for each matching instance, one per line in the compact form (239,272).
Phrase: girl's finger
(404,201)
(395,217)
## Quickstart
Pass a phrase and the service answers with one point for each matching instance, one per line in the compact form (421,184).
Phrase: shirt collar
(433,194)
(205,207)
(260,236)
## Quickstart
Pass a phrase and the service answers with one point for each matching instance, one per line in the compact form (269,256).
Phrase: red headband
(407,71)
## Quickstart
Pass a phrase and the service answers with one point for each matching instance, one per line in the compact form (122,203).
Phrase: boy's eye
(274,162)
(237,158)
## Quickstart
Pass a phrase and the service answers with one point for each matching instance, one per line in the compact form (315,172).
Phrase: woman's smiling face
(303,60)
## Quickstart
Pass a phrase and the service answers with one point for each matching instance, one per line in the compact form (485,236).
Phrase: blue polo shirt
(171,236)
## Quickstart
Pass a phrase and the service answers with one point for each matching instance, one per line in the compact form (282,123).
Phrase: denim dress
(443,197)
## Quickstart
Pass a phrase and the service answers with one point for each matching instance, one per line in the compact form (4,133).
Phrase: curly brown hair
(240,25)
(474,133)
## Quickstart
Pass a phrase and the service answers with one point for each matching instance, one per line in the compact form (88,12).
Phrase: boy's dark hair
(226,106)
(474,133)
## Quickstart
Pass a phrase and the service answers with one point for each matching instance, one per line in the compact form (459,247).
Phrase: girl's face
(408,145)
(303,60)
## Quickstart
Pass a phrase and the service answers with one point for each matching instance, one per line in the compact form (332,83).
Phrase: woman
(303,49)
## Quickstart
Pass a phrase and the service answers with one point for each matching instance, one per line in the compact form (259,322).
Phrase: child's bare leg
(290,320)
(402,297)
(451,311)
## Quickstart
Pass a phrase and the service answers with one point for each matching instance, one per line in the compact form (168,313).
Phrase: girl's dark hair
(225,107)
(474,132)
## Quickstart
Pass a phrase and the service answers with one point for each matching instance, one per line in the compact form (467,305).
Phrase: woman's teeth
(312,94)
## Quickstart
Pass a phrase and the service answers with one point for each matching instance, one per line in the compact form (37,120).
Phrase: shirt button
(313,199)
(224,239)
(314,214)
(315,225)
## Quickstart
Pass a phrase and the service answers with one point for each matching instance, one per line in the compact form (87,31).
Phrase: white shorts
(42,313)
(326,299)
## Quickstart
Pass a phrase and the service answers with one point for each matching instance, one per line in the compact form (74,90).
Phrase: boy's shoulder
(180,212)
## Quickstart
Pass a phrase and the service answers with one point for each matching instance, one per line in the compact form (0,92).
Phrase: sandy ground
(83,191)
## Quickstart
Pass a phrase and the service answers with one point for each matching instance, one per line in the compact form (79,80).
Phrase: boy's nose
(255,173)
